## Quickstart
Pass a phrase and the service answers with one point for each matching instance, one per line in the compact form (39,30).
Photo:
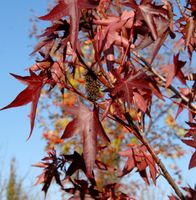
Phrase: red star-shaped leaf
(30,94)
(86,123)
(136,88)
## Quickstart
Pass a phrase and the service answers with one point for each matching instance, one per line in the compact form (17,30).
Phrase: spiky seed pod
(92,86)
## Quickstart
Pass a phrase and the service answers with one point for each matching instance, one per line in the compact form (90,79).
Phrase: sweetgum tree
(120,67)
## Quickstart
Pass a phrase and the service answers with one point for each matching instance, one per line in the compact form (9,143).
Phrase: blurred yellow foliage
(170,121)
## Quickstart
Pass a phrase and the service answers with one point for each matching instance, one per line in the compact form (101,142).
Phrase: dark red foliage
(188,32)
(82,190)
(77,163)
(65,166)
(51,165)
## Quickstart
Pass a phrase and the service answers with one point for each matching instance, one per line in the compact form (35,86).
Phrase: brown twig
(155,157)
(181,9)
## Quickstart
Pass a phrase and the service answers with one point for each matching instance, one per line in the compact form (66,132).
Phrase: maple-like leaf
(144,39)
(187,29)
(73,9)
(128,90)
(148,12)
(86,123)
(152,25)
(30,94)
(139,158)
(136,88)
(56,166)
(109,35)
(172,70)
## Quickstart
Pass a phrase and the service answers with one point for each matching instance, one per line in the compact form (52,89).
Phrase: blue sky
(15,47)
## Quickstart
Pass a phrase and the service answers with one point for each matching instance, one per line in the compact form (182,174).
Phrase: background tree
(14,186)
(104,59)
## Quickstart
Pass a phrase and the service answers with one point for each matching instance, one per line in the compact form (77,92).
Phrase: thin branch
(156,158)
(181,9)
(131,127)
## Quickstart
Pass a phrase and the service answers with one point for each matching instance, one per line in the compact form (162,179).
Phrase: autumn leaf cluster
(106,56)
